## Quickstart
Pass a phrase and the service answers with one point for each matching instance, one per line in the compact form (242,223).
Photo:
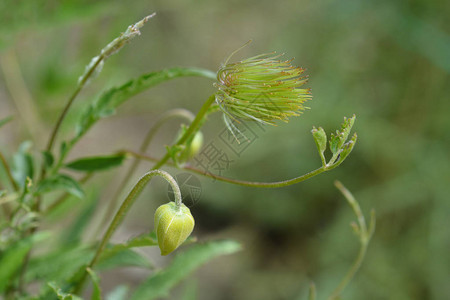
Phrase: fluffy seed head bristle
(263,88)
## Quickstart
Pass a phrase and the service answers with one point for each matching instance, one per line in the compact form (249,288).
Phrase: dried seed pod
(173,225)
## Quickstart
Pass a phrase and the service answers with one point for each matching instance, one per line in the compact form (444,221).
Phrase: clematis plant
(263,88)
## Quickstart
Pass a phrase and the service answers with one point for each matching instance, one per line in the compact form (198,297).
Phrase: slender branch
(20,94)
(8,172)
(354,204)
(275,184)
(351,272)
(312,291)
(80,86)
(364,235)
(124,208)
(174,113)
(63,197)
(5,206)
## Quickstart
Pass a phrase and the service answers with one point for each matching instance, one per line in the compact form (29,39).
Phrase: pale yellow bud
(173,225)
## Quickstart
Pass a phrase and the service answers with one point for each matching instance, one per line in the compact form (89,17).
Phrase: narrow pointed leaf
(119,293)
(12,259)
(96,293)
(347,148)
(72,235)
(146,240)
(23,166)
(65,262)
(97,163)
(114,97)
(60,182)
(60,293)
(159,284)
(124,258)
(48,159)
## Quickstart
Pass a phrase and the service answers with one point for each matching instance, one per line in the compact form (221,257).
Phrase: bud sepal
(173,225)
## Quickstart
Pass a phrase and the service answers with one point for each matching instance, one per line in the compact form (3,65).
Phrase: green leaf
(334,142)
(64,263)
(346,128)
(112,254)
(146,240)
(96,293)
(347,148)
(60,182)
(5,120)
(111,99)
(190,291)
(337,140)
(48,159)
(159,284)
(73,234)
(59,292)
(124,258)
(70,261)
(119,293)
(63,149)
(12,259)
(320,137)
(23,164)
(97,163)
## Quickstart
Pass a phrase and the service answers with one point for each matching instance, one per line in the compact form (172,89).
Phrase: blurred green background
(386,61)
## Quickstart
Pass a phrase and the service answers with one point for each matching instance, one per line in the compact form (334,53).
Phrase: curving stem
(174,113)
(124,208)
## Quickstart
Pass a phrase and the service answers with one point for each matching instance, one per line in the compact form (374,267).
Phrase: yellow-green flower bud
(173,225)
(193,146)
(196,144)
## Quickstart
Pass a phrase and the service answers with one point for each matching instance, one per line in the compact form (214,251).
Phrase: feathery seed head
(261,88)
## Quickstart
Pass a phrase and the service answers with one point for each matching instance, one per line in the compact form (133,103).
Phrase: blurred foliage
(386,61)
